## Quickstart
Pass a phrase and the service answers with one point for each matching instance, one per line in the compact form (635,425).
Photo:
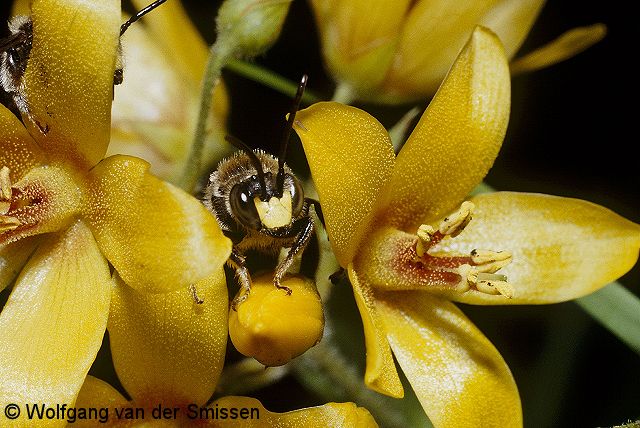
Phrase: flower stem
(344,94)
(270,79)
(218,57)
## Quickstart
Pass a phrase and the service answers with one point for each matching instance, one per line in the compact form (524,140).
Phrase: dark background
(573,131)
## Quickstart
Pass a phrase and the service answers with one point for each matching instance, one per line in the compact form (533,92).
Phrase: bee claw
(237,301)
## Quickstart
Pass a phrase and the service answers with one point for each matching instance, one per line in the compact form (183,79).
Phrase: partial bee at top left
(14,57)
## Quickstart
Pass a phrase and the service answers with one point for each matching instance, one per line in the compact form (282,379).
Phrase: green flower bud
(251,26)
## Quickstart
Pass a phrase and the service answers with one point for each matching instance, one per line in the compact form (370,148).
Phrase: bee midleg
(237,262)
(306,227)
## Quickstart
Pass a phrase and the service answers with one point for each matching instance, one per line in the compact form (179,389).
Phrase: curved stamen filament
(475,271)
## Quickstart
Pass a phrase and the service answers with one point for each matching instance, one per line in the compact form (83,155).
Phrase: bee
(260,204)
(14,55)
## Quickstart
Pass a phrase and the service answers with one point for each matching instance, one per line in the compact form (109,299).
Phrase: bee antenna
(139,15)
(287,133)
(254,161)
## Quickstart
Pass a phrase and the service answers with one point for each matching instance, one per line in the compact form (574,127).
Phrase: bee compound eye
(242,206)
(297,197)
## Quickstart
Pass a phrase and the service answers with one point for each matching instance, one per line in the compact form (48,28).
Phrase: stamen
(476,271)
(5,184)
(8,223)
(456,222)
(490,261)
(425,234)
(494,284)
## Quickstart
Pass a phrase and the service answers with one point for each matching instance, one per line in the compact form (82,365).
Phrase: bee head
(272,197)
(255,198)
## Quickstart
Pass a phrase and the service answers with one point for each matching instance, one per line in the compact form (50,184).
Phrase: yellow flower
(155,108)
(384,216)
(399,51)
(169,351)
(68,216)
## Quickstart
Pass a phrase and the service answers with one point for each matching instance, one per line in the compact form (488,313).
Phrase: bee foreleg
(317,208)
(305,227)
(237,262)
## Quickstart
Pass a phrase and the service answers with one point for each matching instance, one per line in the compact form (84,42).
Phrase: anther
(5,184)
(490,261)
(8,223)
(494,284)
(425,234)
(456,222)
(482,281)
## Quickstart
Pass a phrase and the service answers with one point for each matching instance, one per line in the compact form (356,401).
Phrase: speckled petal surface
(459,377)
(53,323)
(351,157)
(165,347)
(18,151)
(331,415)
(69,77)
(158,237)
(562,248)
(457,139)
(381,374)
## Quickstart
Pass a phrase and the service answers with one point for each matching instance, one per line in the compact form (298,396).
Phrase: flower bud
(274,327)
(251,26)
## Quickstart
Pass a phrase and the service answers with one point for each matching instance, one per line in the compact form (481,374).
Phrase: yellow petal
(381,374)
(97,393)
(512,21)
(562,248)
(166,347)
(157,237)
(459,377)
(334,415)
(18,151)
(52,326)
(457,139)
(171,27)
(358,51)
(564,47)
(13,257)
(434,33)
(351,157)
(45,200)
(69,77)
(21,7)
(274,327)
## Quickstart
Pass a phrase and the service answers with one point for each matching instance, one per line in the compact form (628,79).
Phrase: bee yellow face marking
(276,212)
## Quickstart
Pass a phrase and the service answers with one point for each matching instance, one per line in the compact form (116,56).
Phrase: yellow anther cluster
(425,233)
(7,223)
(456,222)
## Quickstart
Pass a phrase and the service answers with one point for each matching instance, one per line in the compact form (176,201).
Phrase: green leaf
(618,310)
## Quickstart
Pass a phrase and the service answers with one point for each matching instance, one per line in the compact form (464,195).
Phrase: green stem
(325,371)
(344,94)
(270,79)
(218,56)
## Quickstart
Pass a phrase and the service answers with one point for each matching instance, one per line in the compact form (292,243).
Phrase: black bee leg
(317,208)
(237,262)
(305,227)
(194,294)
